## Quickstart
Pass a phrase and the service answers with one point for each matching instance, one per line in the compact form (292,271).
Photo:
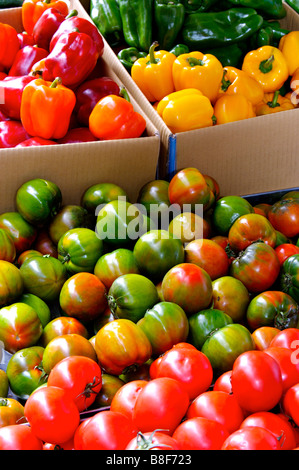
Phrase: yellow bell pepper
(294,86)
(236,81)
(268,66)
(196,70)
(230,108)
(186,110)
(273,103)
(153,73)
(289,46)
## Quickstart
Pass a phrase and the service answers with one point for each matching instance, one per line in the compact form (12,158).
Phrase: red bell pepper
(72,59)
(12,88)
(32,10)
(4,117)
(77,135)
(89,93)
(12,133)
(36,142)
(82,25)
(25,59)
(25,39)
(46,26)
(9,45)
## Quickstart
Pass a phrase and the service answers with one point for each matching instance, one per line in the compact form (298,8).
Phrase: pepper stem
(192,61)
(153,60)
(71,14)
(225,83)
(267,64)
(56,82)
(274,103)
(124,94)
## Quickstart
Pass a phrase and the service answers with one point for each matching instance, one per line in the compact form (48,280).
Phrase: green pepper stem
(124,94)
(225,83)
(71,14)
(267,64)
(56,82)
(274,103)
(192,61)
(153,60)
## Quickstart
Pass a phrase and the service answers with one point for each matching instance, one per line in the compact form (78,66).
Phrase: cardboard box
(245,157)
(129,163)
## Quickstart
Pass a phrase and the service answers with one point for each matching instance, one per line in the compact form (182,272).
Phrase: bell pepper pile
(51,81)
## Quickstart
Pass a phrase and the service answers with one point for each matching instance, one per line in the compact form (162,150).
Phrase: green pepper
(137,18)
(129,55)
(268,35)
(268,8)
(198,5)
(293,4)
(168,19)
(106,16)
(179,49)
(230,55)
(217,29)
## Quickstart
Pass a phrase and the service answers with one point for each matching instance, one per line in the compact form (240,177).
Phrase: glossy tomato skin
(165,324)
(189,286)
(11,412)
(79,249)
(223,382)
(121,344)
(83,296)
(70,344)
(219,406)
(110,385)
(154,197)
(42,309)
(200,433)
(62,326)
(251,438)
(114,264)
(289,367)
(7,246)
(44,244)
(204,323)
(226,210)
(11,283)
(43,276)
(20,327)
(189,186)
(281,428)
(67,218)
(257,267)
(4,384)
(289,277)
(125,398)
(256,381)
(230,296)
(130,295)
(155,440)
(101,193)
(209,255)
(16,437)
(38,200)
(25,372)
(188,226)
(22,233)
(285,250)
(154,402)
(225,345)
(290,403)
(27,254)
(106,430)
(263,336)
(80,377)
(288,338)
(156,252)
(248,229)
(52,416)
(272,308)
(284,216)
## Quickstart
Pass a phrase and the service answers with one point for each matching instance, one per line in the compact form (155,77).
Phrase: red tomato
(290,403)
(200,434)
(223,382)
(281,428)
(189,186)
(222,240)
(106,430)
(69,445)
(286,250)
(190,367)
(248,229)
(263,336)
(251,438)
(125,398)
(209,255)
(62,326)
(155,440)
(218,406)
(288,338)
(161,404)
(53,417)
(19,437)
(80,377)
(284,216)
(289,368)
(256,381)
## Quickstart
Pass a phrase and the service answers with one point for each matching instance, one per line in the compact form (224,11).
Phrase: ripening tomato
(11,412)
(101,193)
(263,336)
(114,264)
(262,208)
(4,383)
(17,437)
(209,255)
(289,367)
(7,246)
(223,382)
(44,244)
(155,440)
(125,398)
(230,296)
(289,277)
(256,381)
(285,250)
(284,216)
(110,385)
(27,254)
(203,323)
(226,210)
(251,438)
(219,406)
(188,226)
(62,326)
(11,283)
(248,229)
(52,416)
(288,338)
(189,186)
(67,218)
(21,231)
(200,433)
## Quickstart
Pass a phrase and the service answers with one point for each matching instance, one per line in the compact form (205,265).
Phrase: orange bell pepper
(289,46)
(10,45)
(32,10)
(153,73)
(268,66)
(236,81)
(46,108)
(114,117)
(196,70)
(273,103)
(294,86)
(230,108)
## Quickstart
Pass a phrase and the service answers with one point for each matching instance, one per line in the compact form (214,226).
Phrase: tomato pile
(182,337)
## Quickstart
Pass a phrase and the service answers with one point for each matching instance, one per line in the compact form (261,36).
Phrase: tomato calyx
(284,320)
(112,304)
(144,443)
(90,388)
(4,402)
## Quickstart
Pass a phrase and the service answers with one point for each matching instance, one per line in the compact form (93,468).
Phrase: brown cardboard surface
(129,163)
(246,157)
